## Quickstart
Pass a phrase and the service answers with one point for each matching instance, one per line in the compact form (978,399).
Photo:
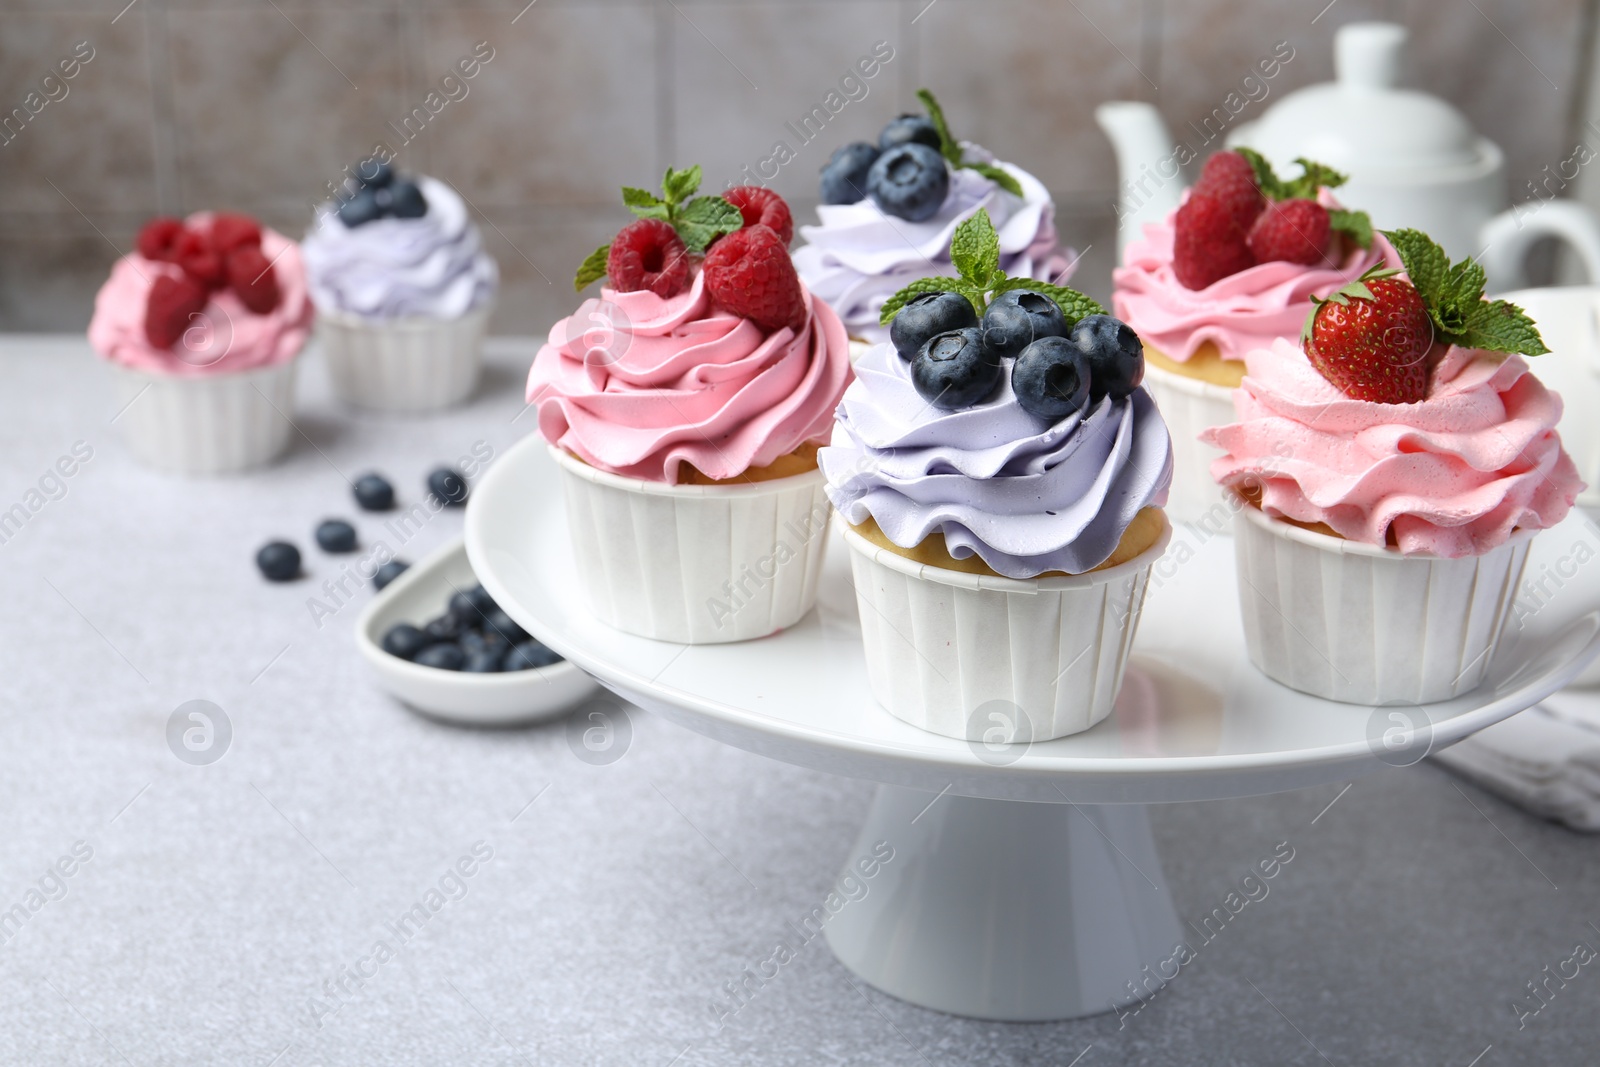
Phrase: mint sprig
(952,151)
(699,220)
(1453,295)
(975,253)
(1355,225)
(592,269)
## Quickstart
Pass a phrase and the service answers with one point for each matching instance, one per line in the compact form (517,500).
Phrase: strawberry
(1371,339)
(749,273)
(172,304)
(1229,177)
(761,206)
(251,277)
(1208,243)
(193,252)
(230,231)
(648,254)
(1295,231)
(157,237)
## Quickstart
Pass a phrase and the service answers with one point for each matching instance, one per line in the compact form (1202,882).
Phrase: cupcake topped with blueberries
(889,211)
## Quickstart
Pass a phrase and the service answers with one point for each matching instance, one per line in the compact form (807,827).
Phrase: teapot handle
(1508,236)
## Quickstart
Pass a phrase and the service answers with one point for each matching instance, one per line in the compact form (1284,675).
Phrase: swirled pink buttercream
(637,385)
(1448,476)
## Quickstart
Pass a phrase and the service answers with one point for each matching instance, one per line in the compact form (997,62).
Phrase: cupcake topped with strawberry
(1406,416)
(1237,264)
(890,209)
(705,359)
(212,293)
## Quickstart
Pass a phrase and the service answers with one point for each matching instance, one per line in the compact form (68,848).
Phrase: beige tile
(91,145)
(745,76)
(539,250)
(563,113)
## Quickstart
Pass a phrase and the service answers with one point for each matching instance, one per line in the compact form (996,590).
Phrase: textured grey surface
(222,900)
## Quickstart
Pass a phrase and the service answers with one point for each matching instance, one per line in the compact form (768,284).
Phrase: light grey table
(232,913)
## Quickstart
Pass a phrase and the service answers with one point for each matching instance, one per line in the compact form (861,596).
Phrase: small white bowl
(501,699)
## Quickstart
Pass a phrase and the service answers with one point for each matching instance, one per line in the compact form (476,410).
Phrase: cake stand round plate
(1024,882)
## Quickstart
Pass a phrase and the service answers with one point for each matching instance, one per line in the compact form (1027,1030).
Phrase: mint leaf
(892,306)
(1353,224)
(640,198)
(975,249)
(1074,305)
(998,175)
(1465,282)
(1313,176)
(1266,179)
(949,147)
(592,269)
(680,185)
(1426,264)
(704,219)
(1502,327)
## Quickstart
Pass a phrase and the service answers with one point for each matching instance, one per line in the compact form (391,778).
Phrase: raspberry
(1228,177)
(761,206)
(230,231)
(1295,231)
(1208,244)
(648,254)
(749,273)
(193,252)
(172,303)
(157,237)
(251,277)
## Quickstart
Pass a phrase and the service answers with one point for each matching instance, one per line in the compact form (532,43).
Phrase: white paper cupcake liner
(1363,624)
(409,364)
(696,564)
(212,424)
(1189,406)
(964,655)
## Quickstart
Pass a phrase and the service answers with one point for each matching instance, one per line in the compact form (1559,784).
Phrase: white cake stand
(1024,882)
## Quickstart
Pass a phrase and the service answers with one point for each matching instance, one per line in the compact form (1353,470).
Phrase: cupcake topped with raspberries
(889,210)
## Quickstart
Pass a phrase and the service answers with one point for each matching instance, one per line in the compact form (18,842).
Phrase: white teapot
(1412,161)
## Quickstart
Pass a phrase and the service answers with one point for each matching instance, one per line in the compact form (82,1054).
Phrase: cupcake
(685,408)
(403,289)
(1000,477)
(889,210)
(201,326)
(1233,269)
(1391,471)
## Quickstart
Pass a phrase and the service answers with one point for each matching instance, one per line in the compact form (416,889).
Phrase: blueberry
(360,209)
(910,129)
(405,640)
(486,641)
(1051,379)
(374,493)
(504,625)
(336,535)
(1017,318)
(374,173)
(279,561)
(389,572)
(844,176)
(446,627)
(927,316)
(909,181)
(529,655)
(953,370)
(449,485)
(466,606)
(406,200)
(480,598)
(1115,355)
(444,656)
(482,662)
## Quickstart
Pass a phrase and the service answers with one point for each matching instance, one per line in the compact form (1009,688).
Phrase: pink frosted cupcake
(1233,269)
(1390,475)
(685,407)
(202,327)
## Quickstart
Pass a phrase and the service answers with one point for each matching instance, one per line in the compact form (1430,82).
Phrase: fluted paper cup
(207,424)
(1188,406)
(1364,624)
(406,364)
(961,654)
(696,564)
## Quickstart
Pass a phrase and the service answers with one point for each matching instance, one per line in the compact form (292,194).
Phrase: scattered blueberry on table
(336,535)
(473,635)
(279,561)
(389,572)
(373,493)
(449,485)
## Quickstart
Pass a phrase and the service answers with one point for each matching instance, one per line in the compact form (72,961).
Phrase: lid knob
(1368,55)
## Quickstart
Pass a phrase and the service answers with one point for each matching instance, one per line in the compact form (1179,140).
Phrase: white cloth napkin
(1545,759)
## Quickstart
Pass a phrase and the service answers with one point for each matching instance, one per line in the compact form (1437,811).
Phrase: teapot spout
(1149,181)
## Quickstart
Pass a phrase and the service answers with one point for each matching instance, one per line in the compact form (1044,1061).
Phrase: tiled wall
(256,105)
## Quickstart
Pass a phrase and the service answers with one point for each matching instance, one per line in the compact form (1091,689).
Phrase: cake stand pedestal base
(999,909)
